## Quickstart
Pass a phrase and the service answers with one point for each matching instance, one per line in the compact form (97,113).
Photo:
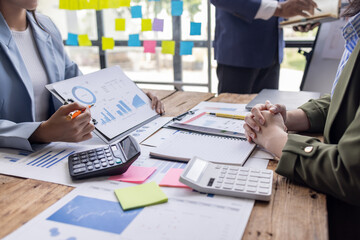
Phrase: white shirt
(34,66)
(267,9)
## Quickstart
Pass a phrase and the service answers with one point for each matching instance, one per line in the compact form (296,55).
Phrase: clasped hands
(266,127)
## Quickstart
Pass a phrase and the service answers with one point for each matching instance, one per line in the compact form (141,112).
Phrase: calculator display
(196,169)
(129,148)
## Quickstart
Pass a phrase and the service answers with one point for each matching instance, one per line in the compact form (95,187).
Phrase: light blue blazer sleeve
(17,109)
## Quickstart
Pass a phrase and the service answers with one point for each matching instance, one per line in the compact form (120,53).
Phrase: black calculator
(113,159)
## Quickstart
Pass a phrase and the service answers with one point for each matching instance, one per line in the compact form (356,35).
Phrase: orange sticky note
(124,3)
(134,174)
(146,25)
(120,24)
(107,43)
(149,46)
(168,47)
(84,40)
(171,178)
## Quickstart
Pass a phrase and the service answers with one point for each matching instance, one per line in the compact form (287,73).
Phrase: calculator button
(101,156)
(75,158)
(241,178)
(264,180)
(76,162)
(264,191)
(232,173)
(222,175)
(225,167)
(79,165)
(103,160)
(97,166)
(99,149)
(218,185)
(239,188)
(255,171)
(230,177)
(83,157)
(223,171)
(243,183)
(252,184)
(264,185)
(242,173)
(228,186)
(104,164)
(266,173)
(107,151)
(250,189)
(96,161)
(118,161)
(110,158)
(218,166)
(229,181)
(92,158)
(84,160)
(234,168)
(90,168)
(89,163)
(108,155)
(220,180)
(111,162)
(252,179)
(244,170)
(79,170)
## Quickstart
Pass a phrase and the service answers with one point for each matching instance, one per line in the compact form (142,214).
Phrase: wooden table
(294,212)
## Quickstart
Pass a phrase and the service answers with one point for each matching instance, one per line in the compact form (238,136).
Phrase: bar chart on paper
(119,104)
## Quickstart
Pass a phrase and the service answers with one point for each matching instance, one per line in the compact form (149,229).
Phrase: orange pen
(76,113)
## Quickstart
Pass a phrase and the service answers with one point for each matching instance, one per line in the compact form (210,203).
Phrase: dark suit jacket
(242,41)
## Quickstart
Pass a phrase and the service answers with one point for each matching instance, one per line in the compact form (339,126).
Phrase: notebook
(185,145)
(327,10)
(292,100)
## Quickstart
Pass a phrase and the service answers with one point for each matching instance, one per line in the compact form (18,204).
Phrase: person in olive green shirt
(332,166)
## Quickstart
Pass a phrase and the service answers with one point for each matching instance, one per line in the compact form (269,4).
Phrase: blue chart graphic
(137,101)
(12,159)
(21,154)
(48,159)
(84,95)
(96,214)
(107,116)
(123,108)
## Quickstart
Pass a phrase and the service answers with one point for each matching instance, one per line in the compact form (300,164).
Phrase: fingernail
(262,121)
(257,128)
(252,135)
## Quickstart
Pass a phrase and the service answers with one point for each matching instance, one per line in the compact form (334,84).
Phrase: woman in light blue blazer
(32,55)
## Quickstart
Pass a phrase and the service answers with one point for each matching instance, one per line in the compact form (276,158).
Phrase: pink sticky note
(134,174)
(149,46)
(171,178)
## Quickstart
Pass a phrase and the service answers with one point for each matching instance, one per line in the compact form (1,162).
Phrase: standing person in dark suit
(249,43)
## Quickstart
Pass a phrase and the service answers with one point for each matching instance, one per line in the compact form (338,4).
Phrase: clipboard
(120,106)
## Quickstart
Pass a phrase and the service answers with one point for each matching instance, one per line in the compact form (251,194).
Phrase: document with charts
(202,122)
(119,105)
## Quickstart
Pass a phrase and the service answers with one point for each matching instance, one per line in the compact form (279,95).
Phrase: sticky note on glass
(158,25)
(176,8)
(88,4)
(171,178)
(146,25)
(195,28)
(107,43)
(84,40)
(124,3)
(63,4)
(120,24)
(186,48)
(140,196)
(134,174)
(168,47)
(136,12)
(73,5)
(72,39)
(149,46)
(134,40)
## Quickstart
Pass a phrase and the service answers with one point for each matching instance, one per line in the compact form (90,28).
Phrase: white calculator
(230,180)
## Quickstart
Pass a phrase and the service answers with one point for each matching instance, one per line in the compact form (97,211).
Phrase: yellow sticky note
(120,24)
(103,4)
(73,5)
(146,25)
(88,4)
(107,43)
(84,40)
(140,196)
(124,3)
(64,4)
(114,3)
(168,47)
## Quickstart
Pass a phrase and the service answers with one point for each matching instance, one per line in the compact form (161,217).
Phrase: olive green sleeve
(316,111)
(330,168)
